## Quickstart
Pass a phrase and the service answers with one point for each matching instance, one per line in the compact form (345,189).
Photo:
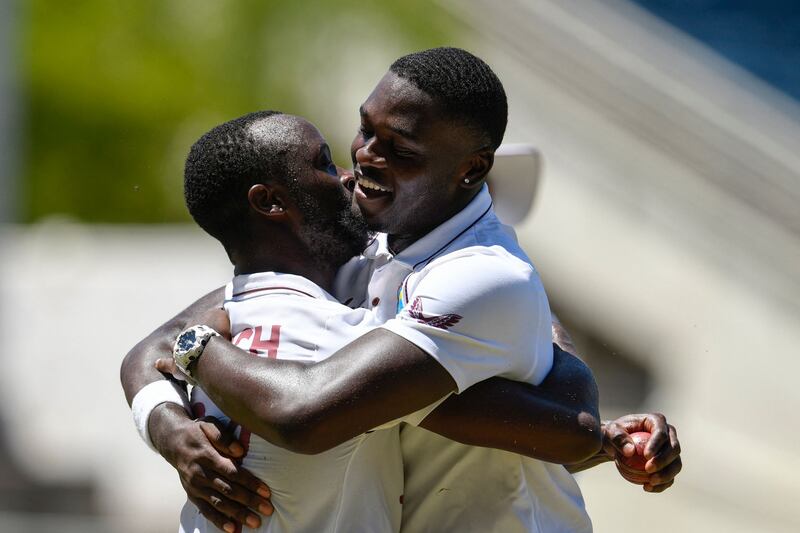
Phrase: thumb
(221,439)
(165,364)
(616,440)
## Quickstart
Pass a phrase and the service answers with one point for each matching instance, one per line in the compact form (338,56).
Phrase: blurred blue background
(760,36)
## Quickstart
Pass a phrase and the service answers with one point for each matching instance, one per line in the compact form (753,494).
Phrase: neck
(284,261)
(400,241)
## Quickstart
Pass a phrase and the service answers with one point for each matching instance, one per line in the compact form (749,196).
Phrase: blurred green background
(115,92)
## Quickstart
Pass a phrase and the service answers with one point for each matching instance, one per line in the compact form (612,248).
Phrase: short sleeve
(479,315)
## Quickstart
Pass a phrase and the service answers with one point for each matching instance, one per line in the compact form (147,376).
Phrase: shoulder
(480,269)
(480,282)
(480,311)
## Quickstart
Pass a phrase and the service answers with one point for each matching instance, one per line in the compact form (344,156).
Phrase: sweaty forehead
(400,103)
(282,132)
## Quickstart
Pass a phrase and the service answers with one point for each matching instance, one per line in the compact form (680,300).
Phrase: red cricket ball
(637,460)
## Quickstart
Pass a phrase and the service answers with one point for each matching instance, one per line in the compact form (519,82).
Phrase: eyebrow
(403,132)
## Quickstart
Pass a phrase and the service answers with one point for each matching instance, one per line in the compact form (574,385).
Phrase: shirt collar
(437,240)
(263,282)
(376,246)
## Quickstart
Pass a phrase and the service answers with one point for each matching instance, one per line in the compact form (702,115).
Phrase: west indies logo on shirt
(401,303)
(437,321)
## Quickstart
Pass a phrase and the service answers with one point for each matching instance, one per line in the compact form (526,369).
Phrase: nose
(366,155)
(346,178)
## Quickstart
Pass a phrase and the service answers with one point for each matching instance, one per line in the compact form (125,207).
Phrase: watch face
(187,341)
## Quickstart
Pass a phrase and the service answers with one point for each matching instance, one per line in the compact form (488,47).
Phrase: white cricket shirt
(354,487)
(469,296)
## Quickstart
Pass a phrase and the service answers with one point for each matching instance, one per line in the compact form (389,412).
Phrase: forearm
(147,390)
(311,408)
(263,398)
(137,368)
(556,421)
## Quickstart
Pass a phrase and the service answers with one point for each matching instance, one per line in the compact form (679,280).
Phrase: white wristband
(149,397)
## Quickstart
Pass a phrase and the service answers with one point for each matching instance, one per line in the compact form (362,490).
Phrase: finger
(257,491)
(656,424)
(220,438)
(666,475)
(243,477)
(617,436)
(636,480)
(633,476)
(215,517)
(165,365)
(217,463)
(673,437)
(640,422)
(226,469)
(193,478)
(658,488)
(229,508)
(239,494)
(666,455)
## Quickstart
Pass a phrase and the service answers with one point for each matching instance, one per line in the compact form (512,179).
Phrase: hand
(662,451)
(202,452)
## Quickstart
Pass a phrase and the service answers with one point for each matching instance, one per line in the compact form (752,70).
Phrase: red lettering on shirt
(270,346)
(258,344)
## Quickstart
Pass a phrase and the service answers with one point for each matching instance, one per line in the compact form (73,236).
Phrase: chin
(378,222)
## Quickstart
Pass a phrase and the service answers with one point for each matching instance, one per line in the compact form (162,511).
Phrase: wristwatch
(189,347)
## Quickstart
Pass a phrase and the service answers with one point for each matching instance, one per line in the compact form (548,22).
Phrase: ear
(268,200)
(477,167)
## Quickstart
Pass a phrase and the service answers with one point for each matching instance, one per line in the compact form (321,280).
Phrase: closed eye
(364,132)
(404,154)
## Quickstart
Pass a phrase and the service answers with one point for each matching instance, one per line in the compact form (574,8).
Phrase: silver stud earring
(466,180)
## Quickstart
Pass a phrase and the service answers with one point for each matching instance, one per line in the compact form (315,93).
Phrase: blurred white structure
(75,300)
(666,221)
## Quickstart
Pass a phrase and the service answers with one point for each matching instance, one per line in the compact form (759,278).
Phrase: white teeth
(369,184)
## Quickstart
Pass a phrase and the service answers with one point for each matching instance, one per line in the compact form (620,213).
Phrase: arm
(663,451)
(199,450)
(557,421)
(444,339)
(375,379)
(137,368)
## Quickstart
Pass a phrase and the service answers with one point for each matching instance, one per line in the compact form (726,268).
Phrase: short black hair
(463,85)
(220,169)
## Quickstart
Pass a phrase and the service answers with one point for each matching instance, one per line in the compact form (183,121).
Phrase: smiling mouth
(371,188)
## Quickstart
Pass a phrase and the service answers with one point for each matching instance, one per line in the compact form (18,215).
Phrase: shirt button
(375,301)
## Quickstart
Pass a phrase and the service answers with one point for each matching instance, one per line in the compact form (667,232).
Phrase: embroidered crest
(440,321)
